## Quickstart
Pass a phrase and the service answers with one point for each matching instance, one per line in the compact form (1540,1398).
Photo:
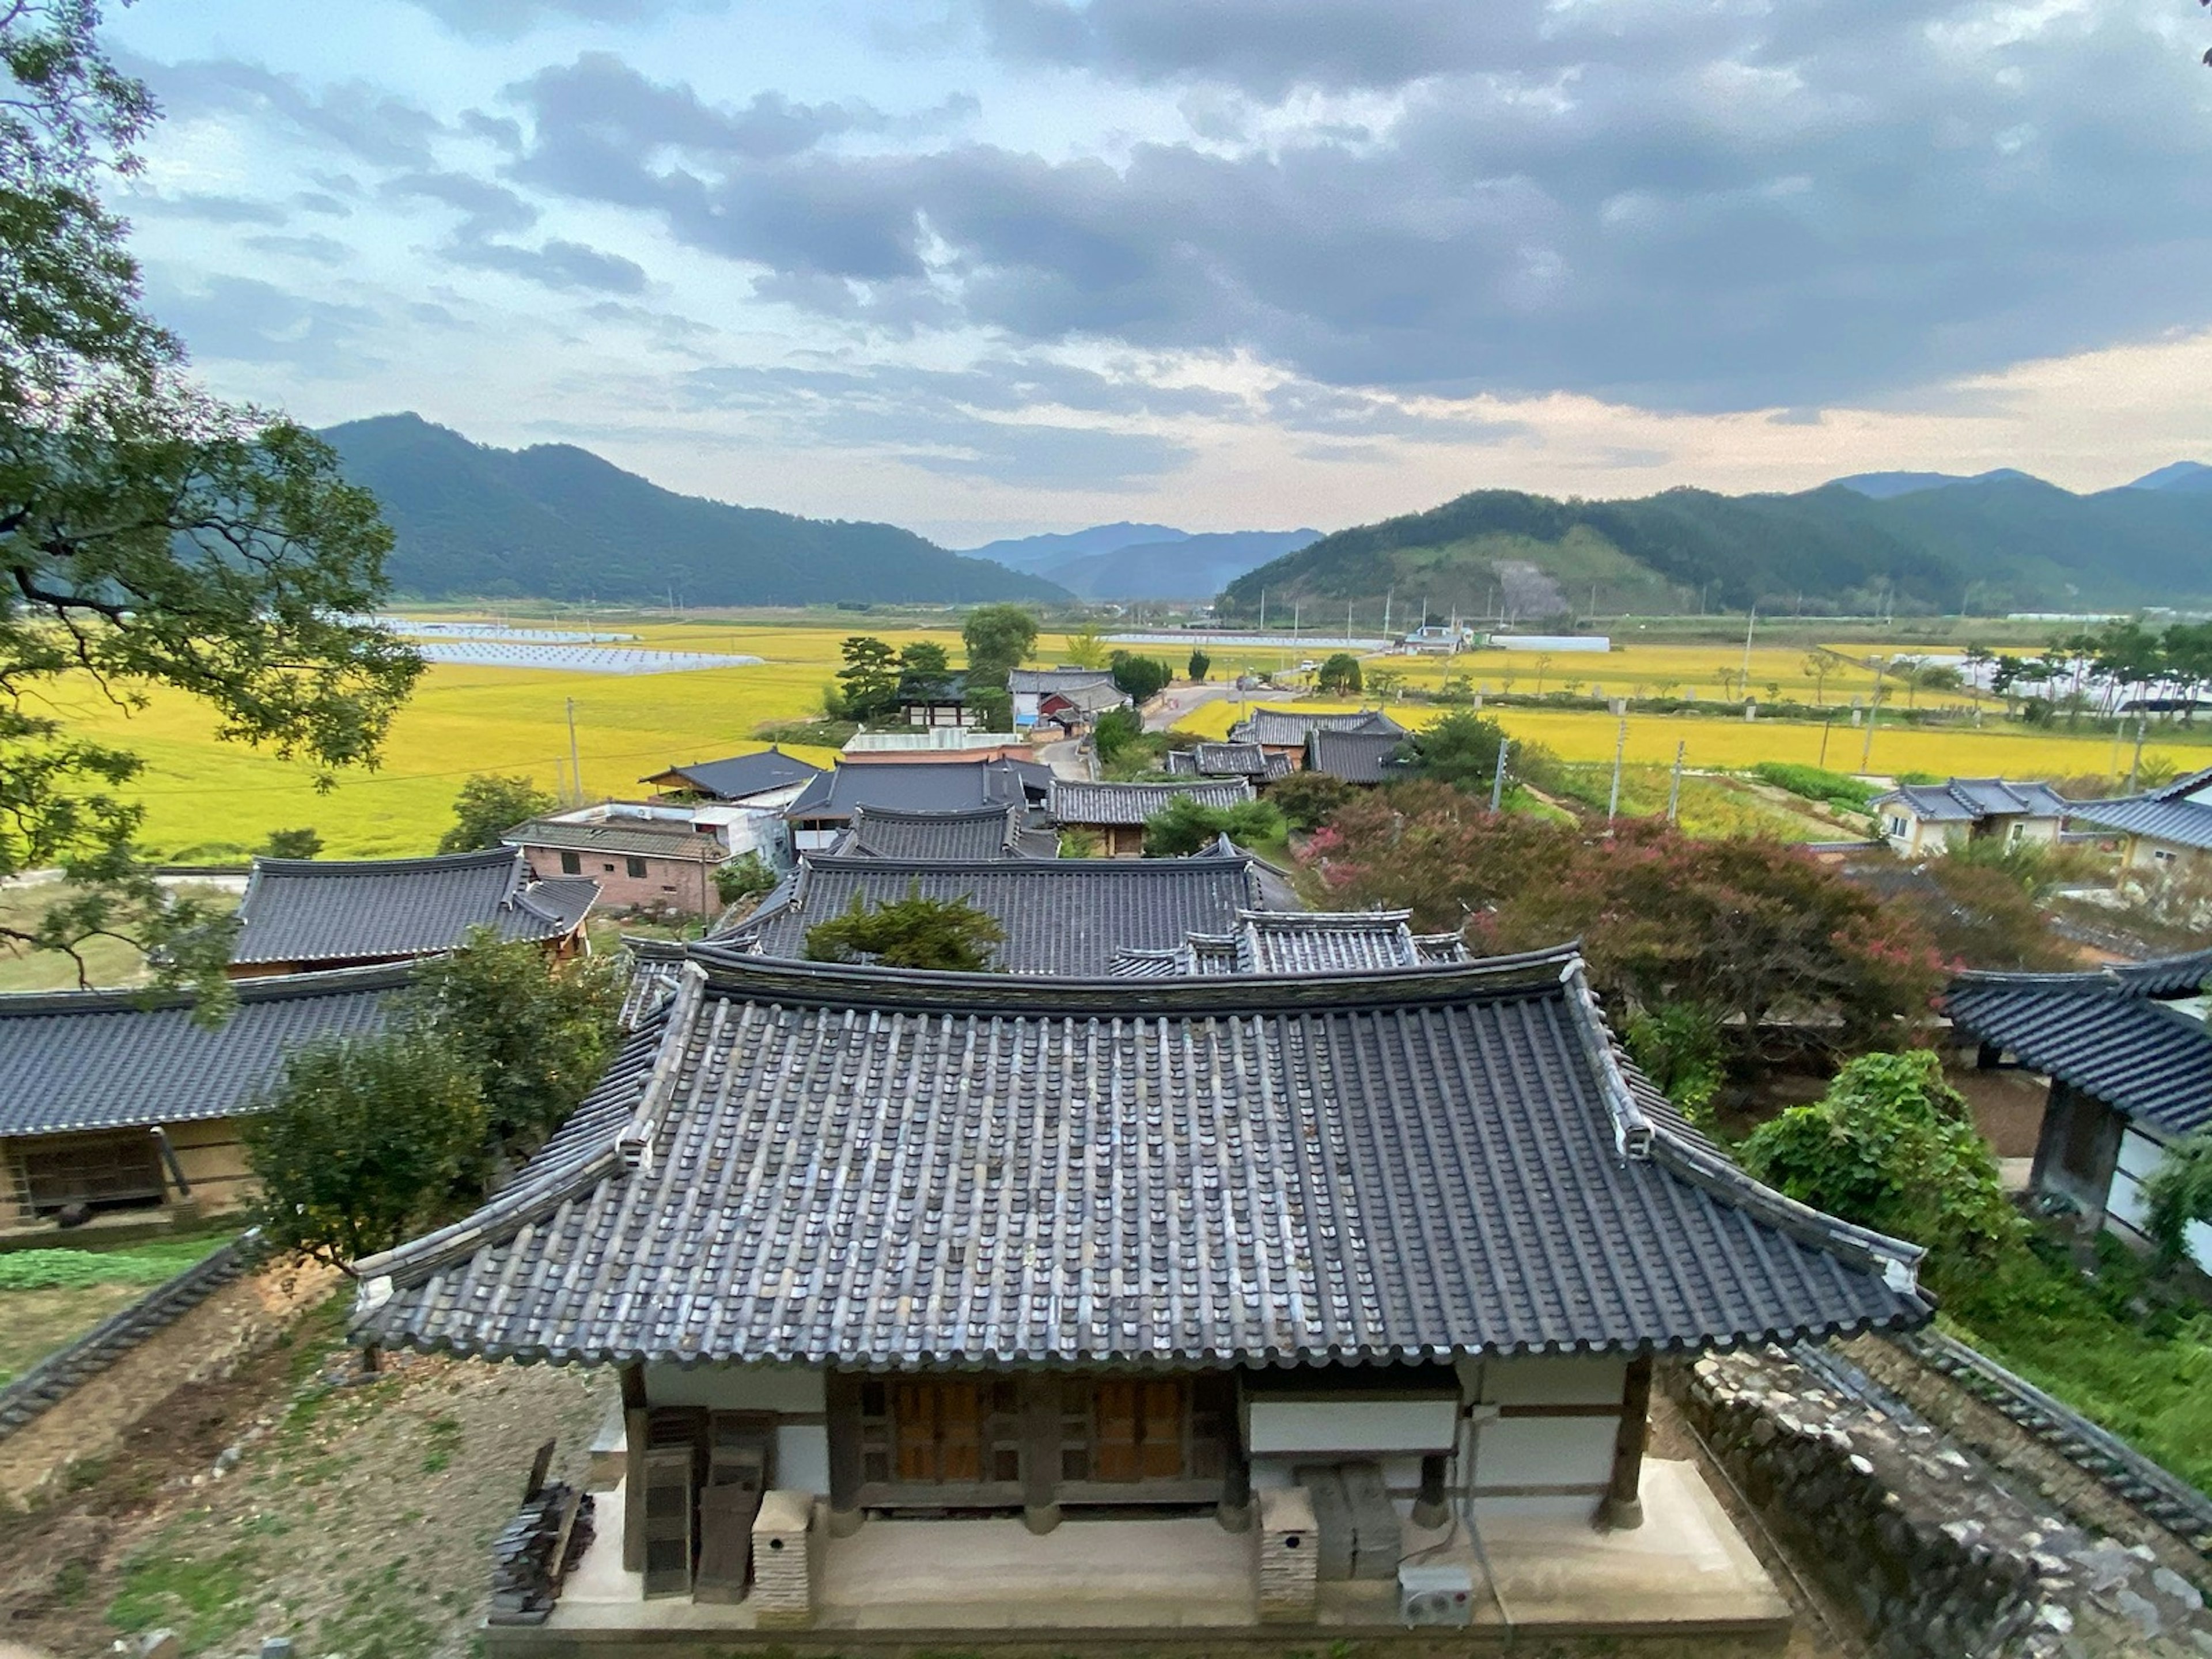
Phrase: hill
(556,521)
(2193,477)
(1145,561)
(1883,485)
(1039,554)
(2000,543)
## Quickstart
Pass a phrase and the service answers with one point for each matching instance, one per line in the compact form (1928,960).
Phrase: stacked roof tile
(112,1060)
(949,786)
(1305,942)
(1970,800)
(1224,760)
(740,777)
(901,1171)
(1101,804)
(1355,756)
(310,910)
(987,832)
(2180,812)
(653,964)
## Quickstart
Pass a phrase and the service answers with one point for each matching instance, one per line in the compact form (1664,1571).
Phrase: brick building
(640,864)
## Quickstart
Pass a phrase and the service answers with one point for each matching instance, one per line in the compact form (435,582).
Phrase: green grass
(1814,783)
(206,1601)
(144,1261)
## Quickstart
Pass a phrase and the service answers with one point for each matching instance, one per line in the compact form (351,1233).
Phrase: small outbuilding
(1288,731)
(2165,831)
(767,778)
(1920,820)
(1117,813)
(639,863)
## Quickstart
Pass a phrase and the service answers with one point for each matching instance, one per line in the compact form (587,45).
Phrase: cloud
(214,209)
(562,265)
(510,20)
(362,120)
(320,250)
(1687,207)
(1053,457)
(244,319)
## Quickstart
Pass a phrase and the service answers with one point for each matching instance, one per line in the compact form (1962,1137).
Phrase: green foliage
(2179,1194)
(534,1032)
(993,706)
(915,931)
(1086,647)
(363,1142)
(1142,677)
(1461,750)
(152,537)
(1306,798)
(149,1264)
(292,844)
(1980,904)
(487,806)
(1339,676)
(1118,730)
(1184,825)
(868,683)
(924,659)
(1891,1146)
(1677,1046)
(744,875)
(1836,788)
(999,639)
(1200,665)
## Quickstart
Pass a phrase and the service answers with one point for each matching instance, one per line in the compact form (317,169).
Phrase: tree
(1086,647)
(1185,825)
(1979,905)
(1200,665)
(535,1033)
(1891,1146)
(1460,750)
(925,660)
(742,876)
(999,639)
(149,535)
(363,1142)
(1116,729)
(915,931)
(2179,1193)
(1339,676)
(487,806)
(870,678)
(1142,677)
(292,844)
(1306,800)
(1678,1046)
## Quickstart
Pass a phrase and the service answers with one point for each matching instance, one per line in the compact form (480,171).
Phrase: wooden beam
(841,1410)
(1622,1508)
(1040,1436)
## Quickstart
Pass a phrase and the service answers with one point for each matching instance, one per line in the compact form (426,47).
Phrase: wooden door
(939,1430)
(1140,1429)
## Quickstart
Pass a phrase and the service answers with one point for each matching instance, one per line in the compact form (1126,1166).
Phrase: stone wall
(1934,1553)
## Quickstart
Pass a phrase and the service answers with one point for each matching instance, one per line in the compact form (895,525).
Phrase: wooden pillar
(635,1419)
(1040,1430)
(1429,1509)
(841,1402)
(1622,1510)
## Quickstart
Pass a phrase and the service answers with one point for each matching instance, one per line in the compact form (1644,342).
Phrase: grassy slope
(54,1297)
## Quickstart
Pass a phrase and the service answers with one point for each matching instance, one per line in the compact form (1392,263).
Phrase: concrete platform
(1684,1573)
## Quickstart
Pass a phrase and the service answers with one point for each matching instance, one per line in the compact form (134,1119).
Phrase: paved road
(1068,759)
(1172,704)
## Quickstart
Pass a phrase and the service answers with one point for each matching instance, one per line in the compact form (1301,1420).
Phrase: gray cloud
(1336,413)
(569,267)
(252,321)
(214,209)
(1688,207)
(353,116)
(321,250)
(508,20)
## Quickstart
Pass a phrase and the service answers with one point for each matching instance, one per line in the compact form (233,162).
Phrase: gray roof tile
(1039,681)
(1135,803)
(1222,760)
(903,1171)
(1288,728)
(1355,756)
(740,776)
(932,785)
(111,1060)
(642,837)
(2172,812)
(1969,800)
(987,832)
(1306,942)
(332,910)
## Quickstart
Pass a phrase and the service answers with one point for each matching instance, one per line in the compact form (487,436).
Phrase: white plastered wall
(793,1392)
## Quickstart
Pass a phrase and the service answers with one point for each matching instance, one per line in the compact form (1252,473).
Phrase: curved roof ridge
(266,988)
(481,856)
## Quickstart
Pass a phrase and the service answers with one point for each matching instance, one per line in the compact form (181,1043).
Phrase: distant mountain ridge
(1883,486)
(1145,561)
(2002,542)
(553,521)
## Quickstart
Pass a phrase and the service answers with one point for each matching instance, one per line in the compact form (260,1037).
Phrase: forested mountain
(553,521)
(1146,561)
(1986,546)
(1039,554)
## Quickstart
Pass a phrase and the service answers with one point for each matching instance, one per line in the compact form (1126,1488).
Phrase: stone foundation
(1289,1556)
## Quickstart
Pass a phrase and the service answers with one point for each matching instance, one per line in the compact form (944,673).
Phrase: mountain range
(553,521)
(1926,542)
(1145,561)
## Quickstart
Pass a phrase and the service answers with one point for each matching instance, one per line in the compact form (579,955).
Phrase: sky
(987,267)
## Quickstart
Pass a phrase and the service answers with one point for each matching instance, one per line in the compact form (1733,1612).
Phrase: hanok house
(1365,758)
(1117,813)
(1069,696)
(1329,1300)
(1061,916)
(1226,760)
(302,914)
(2131,1067)
(1920,820)
(768,779)
(1299,942)
(641,864)
(986,833)
(822,811)
(116,1100)
(1284,732)
(937,700)
(2163,831)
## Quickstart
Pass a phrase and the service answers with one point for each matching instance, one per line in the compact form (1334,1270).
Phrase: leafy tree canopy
(149,535)
(913,931)
(924,659)
(1338,675)
(743,876)
(487,806)
(999,639)
(869,680)
(1307,799)
(2179,1193)
(1142,677)
(292,844)
(1116,731)
(1460,750)
(1185,825)
(1200,665)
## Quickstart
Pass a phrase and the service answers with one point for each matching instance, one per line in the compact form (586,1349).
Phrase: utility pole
(1498,778)
(1746,646)
(1620,748)
(1391,594)
(575,766)
(1674,789)
(1826,726)
(1874,711)
(2134,766)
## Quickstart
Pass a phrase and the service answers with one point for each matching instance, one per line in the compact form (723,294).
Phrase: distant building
(123,1100)
(768,779)
(928,742)
(304,915)
(1117,813)
(824,809)
(1284,732)
(1435,640)
(1226,760)
(2163,831)
(1087,692)
(1365,758)
(987,832)
(933,700)
(639,862)
(1920,820)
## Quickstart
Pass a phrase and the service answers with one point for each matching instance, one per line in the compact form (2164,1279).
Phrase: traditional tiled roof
(1061,916)
(1354,756)
(932,687)
(2180,812)
(1308,942)
(336,910)
(1288,728)
(653,965)
(1969,800)
(1136,802)
(113,1060)
(618,837)
(1040,681)
(948,786)
(1223,760)
(2108,1036)
(987,832)
(1090,698)
(2164,976)
(903,1170)
(740,776)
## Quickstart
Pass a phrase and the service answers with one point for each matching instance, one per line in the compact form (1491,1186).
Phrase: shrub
(1812,783)
(1185,825)
(1200,665)
(1460,750)
(487,806)
(742,876)
(2179,1191)
(1677,1046)
(1339,676)
(292,844)
(1116,731)
(1142,677)
(913,931)
(1306,798)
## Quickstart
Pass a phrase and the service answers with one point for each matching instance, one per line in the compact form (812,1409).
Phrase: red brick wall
(675,882)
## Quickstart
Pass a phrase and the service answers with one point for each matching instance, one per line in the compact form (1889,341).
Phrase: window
(931,1433)
(635,868)
(1898,826)
(2162,855)
(571,864)
(2016,835)
(607,869)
